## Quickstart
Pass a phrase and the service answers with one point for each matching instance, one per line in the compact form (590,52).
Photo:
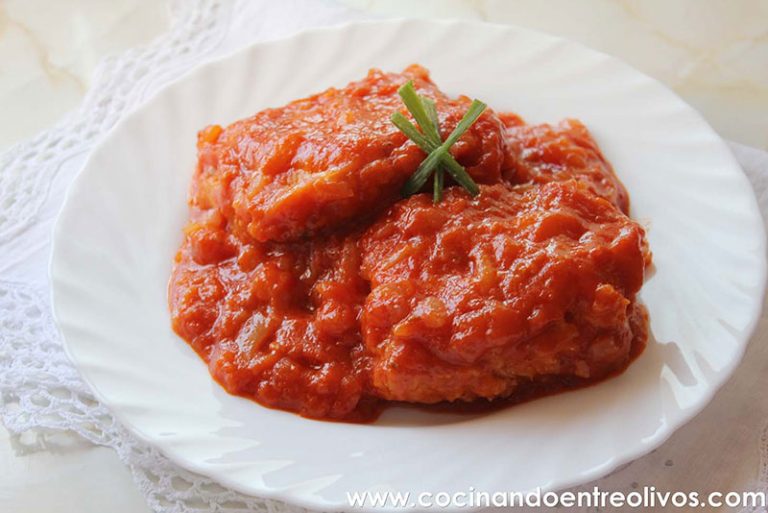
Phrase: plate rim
(302,500)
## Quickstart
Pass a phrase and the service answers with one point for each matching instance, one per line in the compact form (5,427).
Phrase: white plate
(122,222)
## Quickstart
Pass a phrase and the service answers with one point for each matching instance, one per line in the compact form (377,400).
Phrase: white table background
(713,53)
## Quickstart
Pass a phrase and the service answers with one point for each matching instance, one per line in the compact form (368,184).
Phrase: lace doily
(41,393)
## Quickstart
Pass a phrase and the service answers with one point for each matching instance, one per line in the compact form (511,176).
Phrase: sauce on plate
(307,283)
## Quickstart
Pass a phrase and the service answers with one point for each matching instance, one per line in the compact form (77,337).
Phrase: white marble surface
(48,49)
(714,53)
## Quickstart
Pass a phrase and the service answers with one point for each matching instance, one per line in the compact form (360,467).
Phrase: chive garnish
(431,108)
(439,159)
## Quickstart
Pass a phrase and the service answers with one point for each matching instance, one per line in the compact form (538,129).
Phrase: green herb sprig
(429,139)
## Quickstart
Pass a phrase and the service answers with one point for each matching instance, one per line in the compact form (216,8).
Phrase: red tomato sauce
(308,284)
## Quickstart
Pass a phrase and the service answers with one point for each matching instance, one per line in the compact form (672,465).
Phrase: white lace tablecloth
(41,395)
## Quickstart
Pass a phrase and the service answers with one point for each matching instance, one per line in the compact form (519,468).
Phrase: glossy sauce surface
(308,284)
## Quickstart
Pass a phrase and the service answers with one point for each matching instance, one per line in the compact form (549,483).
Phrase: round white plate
(122,221)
